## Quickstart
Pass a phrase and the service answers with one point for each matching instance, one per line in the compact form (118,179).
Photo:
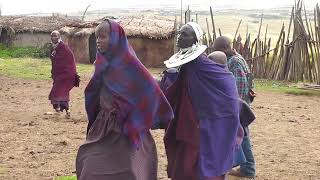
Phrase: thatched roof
(35,23)
(152,27)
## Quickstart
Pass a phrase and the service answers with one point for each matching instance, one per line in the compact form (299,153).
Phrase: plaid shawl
(239,68)
(141,103)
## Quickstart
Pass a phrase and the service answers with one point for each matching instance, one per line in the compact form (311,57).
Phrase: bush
(22,52)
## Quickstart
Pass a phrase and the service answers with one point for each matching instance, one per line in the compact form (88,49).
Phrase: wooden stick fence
(295,57)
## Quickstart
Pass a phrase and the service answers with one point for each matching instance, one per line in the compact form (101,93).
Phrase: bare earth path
(286,134)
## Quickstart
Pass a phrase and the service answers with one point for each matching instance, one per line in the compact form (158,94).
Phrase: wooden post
(258,36)
(220,33)
(312,64)
(235,34)
(175,49)
(246,52)
(265,49)
(209,36)
(247,31)
(287,51)
(197,18)
(291,19)
(280,68)
(257,52)
(317,35)
(188,15)
(181,15)
(274,61)
(234,42)
(84,13)
(214,36)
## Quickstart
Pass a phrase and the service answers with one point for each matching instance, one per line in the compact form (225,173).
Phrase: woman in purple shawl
(63,74)
(123,101)
(201,140)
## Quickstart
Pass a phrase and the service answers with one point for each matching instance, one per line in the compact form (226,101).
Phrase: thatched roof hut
(30,30)
(150,36)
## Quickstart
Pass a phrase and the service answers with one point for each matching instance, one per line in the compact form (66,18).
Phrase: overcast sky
(66,6)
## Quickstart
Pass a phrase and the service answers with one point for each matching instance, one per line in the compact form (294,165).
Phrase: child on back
(218,57)
(246,115)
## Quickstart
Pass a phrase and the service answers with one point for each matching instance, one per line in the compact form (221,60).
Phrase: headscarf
(197,29)
(141,102)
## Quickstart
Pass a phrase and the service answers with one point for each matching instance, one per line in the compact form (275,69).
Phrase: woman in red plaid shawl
(123,102)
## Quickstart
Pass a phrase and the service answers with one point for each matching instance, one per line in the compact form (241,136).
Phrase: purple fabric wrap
(214,100)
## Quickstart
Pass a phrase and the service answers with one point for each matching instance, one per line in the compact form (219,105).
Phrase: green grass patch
(66,178)
(303,92)
(283,87)
(22,52)
(30,68)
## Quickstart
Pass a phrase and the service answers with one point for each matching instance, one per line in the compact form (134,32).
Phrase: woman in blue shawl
(123,102)
(201,140)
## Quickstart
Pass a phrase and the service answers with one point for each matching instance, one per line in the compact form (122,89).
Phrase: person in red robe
(63,74)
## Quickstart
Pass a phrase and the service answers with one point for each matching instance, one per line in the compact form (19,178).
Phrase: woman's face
(186,37)
(102,37)
(55,37)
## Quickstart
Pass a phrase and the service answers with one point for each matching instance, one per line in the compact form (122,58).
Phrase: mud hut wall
(80,47)
(152,52)
(29,39)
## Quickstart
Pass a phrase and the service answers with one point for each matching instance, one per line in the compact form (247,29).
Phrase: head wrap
(197,29)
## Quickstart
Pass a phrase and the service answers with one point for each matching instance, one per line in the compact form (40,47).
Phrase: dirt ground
(286,134)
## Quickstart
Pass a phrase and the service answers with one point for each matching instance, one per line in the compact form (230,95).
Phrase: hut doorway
(92,48)
(4,38)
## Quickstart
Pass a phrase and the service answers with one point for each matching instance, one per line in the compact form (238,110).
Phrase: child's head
(218,57)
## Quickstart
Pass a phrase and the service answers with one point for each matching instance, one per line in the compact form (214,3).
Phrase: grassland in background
(40,69)
(36,69)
